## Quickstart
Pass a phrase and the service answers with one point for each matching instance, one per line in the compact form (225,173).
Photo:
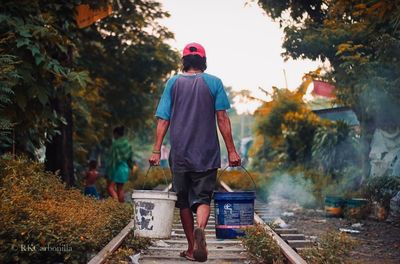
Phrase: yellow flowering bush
(298,131)
(332,248)
(237,179)
(43,222)
(261,247)
(147,181)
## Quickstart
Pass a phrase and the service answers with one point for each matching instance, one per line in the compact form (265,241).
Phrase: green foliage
(381,189)
(128,60)
(297,9)
(361,41)
(131,245)
(332,248)
(338,151)
(298,131)
(37,210)
(283,102)
(285,129)
(8,78)
(239,180)
(149,179)
(33,34)
(291,138)
(113,70)
(261,247)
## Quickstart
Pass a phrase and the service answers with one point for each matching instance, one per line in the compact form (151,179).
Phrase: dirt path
(378,242)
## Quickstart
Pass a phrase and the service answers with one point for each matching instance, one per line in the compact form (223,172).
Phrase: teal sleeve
(221,99)
(164,106)
(217,90)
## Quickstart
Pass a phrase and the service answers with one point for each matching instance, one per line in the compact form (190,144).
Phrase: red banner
(323,89)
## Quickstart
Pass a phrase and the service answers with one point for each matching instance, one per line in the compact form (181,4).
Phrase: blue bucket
(233,211)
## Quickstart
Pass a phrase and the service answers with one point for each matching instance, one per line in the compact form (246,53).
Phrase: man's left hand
(234,159)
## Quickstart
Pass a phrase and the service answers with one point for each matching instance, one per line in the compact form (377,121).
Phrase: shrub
(150,179)
(332,249)
(260,246)
(237,179)
(131,246)
(381,189)
(58,224)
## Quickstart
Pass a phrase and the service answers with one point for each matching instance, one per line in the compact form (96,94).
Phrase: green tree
(284,130)
(129,61)
(106,73)
(8,77)
(33,33)
(361,41)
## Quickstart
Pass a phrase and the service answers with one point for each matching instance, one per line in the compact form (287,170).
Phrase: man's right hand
(155,159)
(234,159)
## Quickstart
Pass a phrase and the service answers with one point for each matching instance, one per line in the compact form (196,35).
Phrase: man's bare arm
(162,127)
(224,125)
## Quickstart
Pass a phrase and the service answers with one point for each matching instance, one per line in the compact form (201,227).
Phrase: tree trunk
(59,152)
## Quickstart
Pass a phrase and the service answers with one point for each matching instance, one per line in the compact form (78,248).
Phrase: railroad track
(220,250)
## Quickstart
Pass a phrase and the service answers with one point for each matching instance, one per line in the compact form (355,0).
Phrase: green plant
(131,245)
(336,147)
(150,179)
(381,189)
(238,179)
(61,225)
(260,246)
(331,249)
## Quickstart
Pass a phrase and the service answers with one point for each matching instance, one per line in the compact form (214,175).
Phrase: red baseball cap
(194,49)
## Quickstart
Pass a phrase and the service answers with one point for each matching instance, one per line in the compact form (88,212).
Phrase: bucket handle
(246,172)
(147,173)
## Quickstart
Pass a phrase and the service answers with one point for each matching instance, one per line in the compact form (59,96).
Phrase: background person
(90,180)
(118,158)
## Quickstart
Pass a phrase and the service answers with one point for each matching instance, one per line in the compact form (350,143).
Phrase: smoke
(290,190)
(381,106)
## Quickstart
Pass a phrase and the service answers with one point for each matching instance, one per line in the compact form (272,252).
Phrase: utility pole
(241,126)
(284,75)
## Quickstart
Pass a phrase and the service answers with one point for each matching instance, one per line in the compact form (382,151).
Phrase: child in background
(90,181)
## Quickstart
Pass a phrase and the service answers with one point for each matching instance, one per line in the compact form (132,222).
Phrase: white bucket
(154,213)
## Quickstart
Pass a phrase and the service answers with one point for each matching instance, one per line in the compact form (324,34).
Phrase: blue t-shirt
(189,102)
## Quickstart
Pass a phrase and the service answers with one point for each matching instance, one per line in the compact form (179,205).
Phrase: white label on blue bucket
(237,214)
(144,215)
(227,209)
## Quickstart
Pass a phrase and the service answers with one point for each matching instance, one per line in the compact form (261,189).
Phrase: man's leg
(180,185)
(203,186)
(203,213)
(188,227)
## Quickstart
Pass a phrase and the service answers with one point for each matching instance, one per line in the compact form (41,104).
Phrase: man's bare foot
(200,246)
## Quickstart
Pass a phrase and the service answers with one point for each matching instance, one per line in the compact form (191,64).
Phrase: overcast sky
(242,43)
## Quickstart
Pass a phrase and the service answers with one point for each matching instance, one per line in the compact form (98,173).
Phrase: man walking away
(191,105)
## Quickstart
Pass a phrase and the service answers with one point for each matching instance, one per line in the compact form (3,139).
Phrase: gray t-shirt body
(190,102)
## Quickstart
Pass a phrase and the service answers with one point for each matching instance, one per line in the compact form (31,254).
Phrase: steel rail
(291,255)
(116,242)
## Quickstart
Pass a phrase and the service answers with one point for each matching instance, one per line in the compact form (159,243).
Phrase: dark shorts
(194,188)
(91,191)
